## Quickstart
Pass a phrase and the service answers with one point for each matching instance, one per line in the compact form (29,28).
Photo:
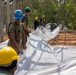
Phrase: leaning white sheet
(42,59)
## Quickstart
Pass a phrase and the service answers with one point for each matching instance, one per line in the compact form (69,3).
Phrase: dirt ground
(64,38)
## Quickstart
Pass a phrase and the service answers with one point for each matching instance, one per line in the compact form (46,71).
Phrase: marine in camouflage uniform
(36,23)
(43,21)
(8,61)
(25,22)
(16,33)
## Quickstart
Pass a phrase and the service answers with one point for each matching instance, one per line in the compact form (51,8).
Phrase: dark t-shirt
(25,19)
(17,30)
(36,24)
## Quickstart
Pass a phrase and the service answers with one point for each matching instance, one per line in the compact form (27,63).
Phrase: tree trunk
(8,14)
(66,14)
(14,5)
(60,12)
(1,22)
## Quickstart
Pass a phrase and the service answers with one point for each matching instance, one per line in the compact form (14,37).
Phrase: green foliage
(51,8)
(65,10)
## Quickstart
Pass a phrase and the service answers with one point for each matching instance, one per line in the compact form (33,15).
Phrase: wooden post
(1,22)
